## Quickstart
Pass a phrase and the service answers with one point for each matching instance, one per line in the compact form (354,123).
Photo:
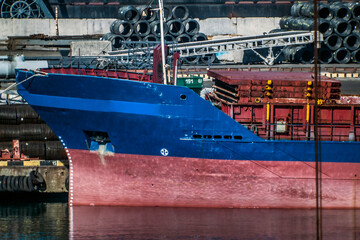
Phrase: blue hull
(154,119)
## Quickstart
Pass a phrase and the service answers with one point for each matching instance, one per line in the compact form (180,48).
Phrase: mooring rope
(17,84)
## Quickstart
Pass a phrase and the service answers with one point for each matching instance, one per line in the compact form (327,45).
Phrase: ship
(133,141)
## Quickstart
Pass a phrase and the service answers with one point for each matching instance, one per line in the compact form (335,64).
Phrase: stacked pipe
(339,24)
(140,27)
(37,140)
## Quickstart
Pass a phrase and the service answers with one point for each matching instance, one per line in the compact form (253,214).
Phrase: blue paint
(143,118)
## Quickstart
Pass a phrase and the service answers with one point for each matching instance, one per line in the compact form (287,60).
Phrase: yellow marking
(3,163)
(59,164)
(267,112)
(32,163)
(307,112)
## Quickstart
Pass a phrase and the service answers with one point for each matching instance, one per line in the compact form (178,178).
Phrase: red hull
(137,180)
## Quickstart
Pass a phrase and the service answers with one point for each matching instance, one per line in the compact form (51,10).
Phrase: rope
(16,84)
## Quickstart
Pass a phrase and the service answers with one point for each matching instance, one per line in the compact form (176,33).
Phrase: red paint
(278,87)
(130,75)
(136,180)
(336,121)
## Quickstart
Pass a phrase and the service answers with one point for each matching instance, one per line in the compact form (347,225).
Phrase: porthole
(197,136)
(238,137)
(217,137)
(227,137)
(207,136)
(183,97)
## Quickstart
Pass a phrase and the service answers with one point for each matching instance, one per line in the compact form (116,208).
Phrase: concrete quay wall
(211,26)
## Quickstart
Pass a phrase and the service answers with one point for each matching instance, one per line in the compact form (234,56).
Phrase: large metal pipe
(208,58)
(325,55)
(355,56)
(307,55)
(355,25)
(146,13)
(295,10)
(199,37)
(299,54)
(191,60)
(307,10)
(290,23)
(151,38)
(324,11)
(301,23)
(121,27)
(283,23)
(325,27)
(354,7)
(176,27)
(155,28)
(129,13)
(307,24)
(290,53)
(167,14)
(142,28)
(341,11)
(341,26)
(183,38)
(133,41)
(117,41)
(169,38)
(342,55)
(192,27)
(352,41)
(180,12)
(333,42)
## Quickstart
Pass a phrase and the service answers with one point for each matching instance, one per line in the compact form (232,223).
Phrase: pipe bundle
(339,24)
(140,27)
(21,122)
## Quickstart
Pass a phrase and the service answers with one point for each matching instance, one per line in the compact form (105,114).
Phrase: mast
(161,7)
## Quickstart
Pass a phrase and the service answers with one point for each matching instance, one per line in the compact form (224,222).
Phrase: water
(58,221)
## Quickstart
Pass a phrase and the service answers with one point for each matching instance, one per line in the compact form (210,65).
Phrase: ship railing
(299,131)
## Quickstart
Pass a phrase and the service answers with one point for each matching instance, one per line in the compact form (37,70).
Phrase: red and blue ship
(140,143)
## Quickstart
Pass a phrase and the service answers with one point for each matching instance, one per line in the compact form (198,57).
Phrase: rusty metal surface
(275,87)
(54,176)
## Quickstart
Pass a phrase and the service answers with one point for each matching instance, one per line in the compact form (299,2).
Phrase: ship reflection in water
(58,221)
(198,223)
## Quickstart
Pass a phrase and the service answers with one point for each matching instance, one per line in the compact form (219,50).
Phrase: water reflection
(34,221)
(191,223)
(57,221)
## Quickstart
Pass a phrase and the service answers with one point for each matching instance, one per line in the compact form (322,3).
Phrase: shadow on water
(191,223)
